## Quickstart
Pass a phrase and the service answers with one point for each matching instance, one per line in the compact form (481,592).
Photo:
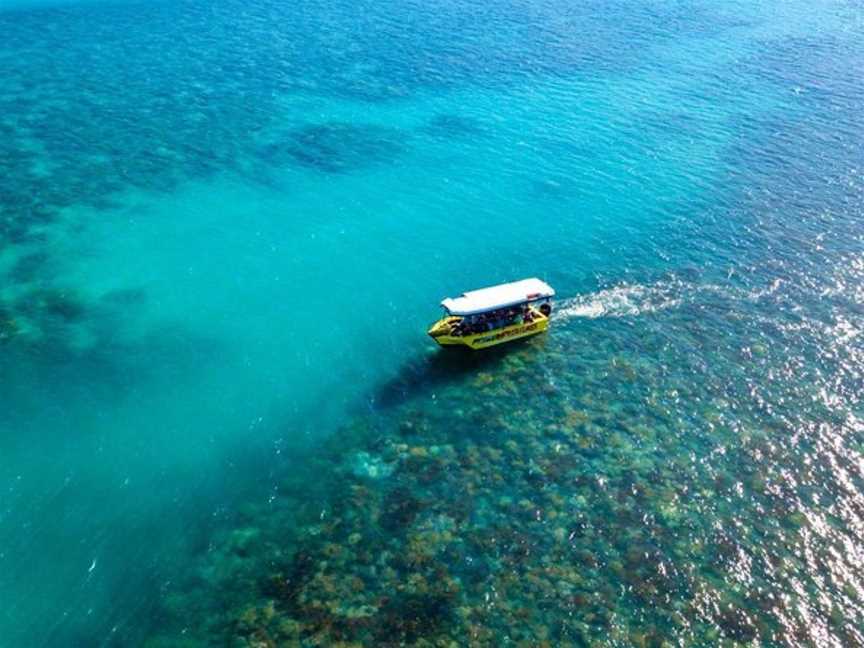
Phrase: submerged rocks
(363,464)
(399,509)
(336,147)
(452,126)
(9,326)
(563,518)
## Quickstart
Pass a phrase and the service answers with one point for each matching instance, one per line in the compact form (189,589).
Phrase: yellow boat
(490,316)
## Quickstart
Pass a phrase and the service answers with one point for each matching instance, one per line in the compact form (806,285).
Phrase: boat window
(492,320)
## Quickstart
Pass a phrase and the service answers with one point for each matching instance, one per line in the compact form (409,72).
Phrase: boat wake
(632,300)
(626,300)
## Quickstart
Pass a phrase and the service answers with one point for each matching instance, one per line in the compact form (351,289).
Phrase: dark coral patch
(400,509)
(410,617)
(448,125)
(125,297)
(62,305)
(336,147)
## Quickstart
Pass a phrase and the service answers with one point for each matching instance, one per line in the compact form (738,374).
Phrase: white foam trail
(631,300)
(626,300)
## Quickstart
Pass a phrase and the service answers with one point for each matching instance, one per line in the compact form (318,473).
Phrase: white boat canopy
(495,297)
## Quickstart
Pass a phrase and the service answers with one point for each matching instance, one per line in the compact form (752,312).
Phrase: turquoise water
(224,228)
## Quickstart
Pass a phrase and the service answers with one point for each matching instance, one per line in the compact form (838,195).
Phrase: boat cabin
(494,315)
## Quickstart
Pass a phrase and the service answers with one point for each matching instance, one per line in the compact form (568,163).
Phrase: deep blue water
(225,226)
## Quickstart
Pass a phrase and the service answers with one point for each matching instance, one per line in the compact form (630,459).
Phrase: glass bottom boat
(492,316)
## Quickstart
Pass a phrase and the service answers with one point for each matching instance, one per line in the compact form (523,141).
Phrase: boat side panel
(506,334)
(495,337)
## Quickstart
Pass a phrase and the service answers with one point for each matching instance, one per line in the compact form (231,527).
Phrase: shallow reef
(688,477)
(448,125)
(548,500)
(336,147)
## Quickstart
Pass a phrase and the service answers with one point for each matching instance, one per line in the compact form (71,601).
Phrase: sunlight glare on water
(225,228)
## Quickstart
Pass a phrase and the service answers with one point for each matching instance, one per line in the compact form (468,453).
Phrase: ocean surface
(226,225)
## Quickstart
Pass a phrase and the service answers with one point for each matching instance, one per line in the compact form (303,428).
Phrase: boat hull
(439,333)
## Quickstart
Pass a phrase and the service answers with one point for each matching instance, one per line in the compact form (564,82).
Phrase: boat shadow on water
(424,373)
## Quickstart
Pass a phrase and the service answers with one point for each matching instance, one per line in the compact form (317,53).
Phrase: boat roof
(501,296)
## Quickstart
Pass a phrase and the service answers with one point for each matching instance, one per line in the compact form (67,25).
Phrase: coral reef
(574,516)
(336,147)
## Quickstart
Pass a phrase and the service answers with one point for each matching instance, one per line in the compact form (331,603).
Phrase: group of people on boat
(496,319)
(510,311)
